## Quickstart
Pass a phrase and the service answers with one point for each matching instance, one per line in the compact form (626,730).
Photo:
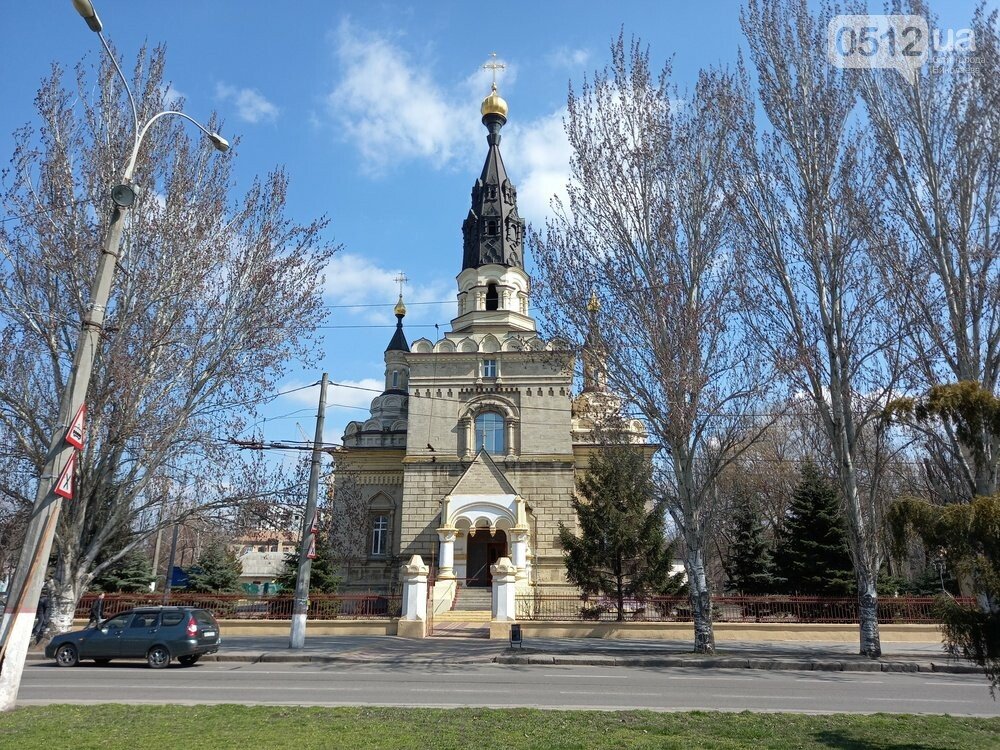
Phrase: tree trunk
(65,588)
(871,644)
(65,595)
(701,603)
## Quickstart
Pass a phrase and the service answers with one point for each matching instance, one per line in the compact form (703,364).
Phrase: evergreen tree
(323,575)
(621,551)
(132,574)
(217,570)
(750,566)
(812,556)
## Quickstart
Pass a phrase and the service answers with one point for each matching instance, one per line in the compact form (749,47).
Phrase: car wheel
(66,655)
(158,657)
(102,662)
(189,660)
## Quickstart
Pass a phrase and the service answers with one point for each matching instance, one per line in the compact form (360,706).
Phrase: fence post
(413,622)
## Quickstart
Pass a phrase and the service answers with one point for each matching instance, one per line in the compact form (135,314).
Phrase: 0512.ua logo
(900,42)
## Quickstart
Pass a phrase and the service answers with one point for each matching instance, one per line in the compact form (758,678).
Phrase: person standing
(96,611)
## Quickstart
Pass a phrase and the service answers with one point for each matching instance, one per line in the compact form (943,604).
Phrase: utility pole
(170,564)
(297,636)
(27,583)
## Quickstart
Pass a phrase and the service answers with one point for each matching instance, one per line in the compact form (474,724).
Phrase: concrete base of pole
(298,636)
(13,661)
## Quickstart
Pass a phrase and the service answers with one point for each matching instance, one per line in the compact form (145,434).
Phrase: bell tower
(493,287)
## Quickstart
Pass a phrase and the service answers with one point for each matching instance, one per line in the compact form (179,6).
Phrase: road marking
(977,685)
(605,692)
(921,700)
(578,675)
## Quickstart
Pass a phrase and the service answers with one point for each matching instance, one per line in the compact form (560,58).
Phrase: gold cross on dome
(400,279)
(494,66)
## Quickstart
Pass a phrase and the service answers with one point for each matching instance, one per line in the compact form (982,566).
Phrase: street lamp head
(219,142)
(86,9)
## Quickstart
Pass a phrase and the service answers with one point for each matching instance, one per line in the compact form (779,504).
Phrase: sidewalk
(390,650)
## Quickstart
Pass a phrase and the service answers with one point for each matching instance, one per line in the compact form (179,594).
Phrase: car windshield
(116,622)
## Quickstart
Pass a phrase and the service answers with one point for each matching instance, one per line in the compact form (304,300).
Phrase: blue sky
(373,110)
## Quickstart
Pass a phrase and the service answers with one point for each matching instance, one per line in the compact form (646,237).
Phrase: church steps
(463,616)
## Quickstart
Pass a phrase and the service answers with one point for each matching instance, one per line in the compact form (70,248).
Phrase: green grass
(248,727)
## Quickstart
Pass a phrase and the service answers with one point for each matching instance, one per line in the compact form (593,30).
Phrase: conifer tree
(812,556)
(323,575)
(750,566)
(217,571)
(132,574)
(622,551)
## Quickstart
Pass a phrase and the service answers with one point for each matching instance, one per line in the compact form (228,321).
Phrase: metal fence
(780,609)
(242,607)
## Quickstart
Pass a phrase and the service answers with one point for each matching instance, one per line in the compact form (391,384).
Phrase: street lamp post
(27,582)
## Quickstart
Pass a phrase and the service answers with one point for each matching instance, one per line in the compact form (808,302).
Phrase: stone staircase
(469,616)
(473,599)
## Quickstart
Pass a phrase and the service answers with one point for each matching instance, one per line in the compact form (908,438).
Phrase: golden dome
(400,308)
(593,305)
(494,104)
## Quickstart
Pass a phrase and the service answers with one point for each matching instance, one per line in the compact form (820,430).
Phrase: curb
(715,662)
(805,665)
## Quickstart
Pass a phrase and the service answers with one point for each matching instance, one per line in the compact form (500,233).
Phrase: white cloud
(173,97)
(391,108)
(542,153)
(251,105)
(570,59)
(352,279)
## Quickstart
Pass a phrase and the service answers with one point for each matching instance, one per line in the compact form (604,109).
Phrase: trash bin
(515,635)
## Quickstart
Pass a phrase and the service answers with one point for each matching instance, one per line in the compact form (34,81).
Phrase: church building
(471,452)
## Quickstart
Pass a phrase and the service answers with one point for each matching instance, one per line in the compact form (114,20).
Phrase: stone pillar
(465,424)
(504,575)
(412,623)
(519,551)
(510,424)
(446,554)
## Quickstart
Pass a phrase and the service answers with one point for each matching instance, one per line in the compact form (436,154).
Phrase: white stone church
(471,451)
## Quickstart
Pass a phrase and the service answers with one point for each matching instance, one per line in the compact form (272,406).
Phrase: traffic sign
(64,487)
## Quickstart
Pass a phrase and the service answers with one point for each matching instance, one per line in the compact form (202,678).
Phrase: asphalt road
(499,685)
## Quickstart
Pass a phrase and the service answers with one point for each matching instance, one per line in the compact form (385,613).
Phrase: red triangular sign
(64,487)
(312,549)
(74,435)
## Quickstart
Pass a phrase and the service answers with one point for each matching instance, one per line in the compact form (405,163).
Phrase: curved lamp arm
(217,140)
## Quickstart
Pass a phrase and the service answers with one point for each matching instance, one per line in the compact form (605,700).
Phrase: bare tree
(213,297)
(645,230)
(346,519)
(939,141)
(803,198)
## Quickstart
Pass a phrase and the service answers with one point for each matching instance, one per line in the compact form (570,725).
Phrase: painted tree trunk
(701,603)
(871,644)
(64,598)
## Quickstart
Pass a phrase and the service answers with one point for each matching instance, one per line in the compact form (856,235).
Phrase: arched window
(492,298)
(395,378)
(490,432)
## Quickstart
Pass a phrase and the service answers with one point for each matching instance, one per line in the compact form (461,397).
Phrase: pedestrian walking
(96,611)
(41,618)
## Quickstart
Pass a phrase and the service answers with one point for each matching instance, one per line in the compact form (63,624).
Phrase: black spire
(398,342)
(493,232)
